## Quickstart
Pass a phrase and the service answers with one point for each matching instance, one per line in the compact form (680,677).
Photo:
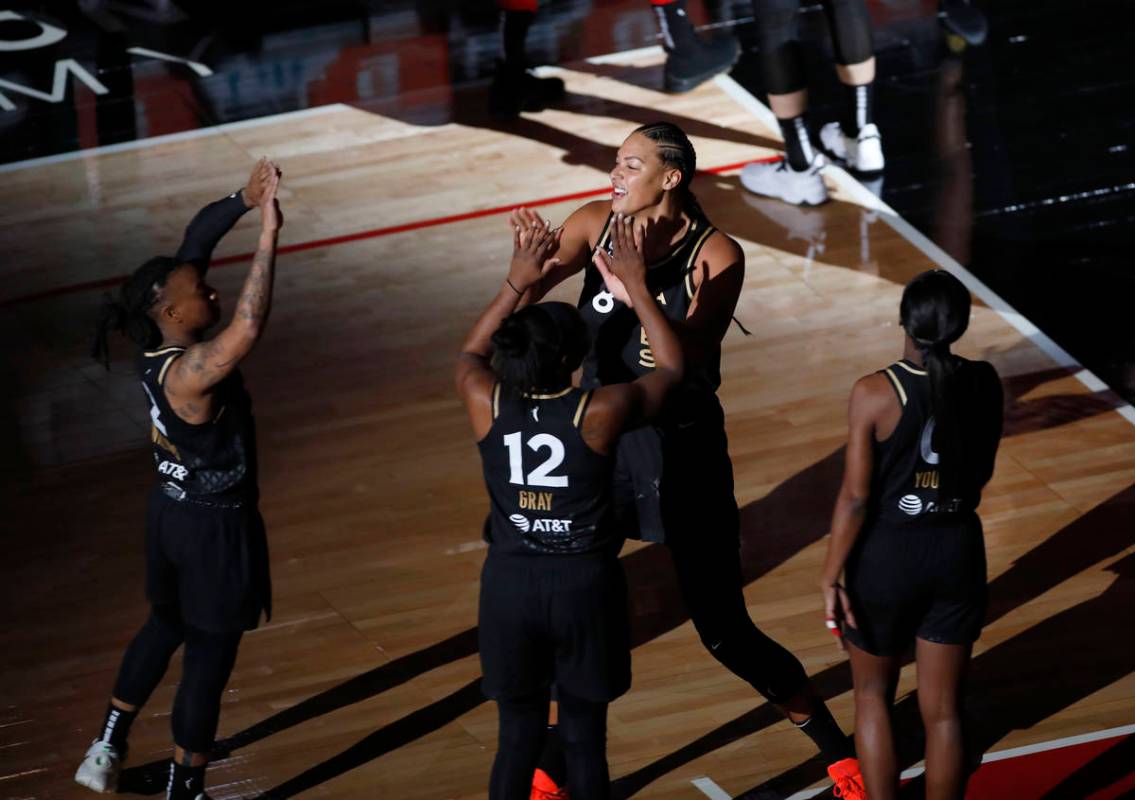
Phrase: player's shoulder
(721,251)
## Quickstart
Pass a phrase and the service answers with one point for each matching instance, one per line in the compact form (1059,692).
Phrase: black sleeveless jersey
(619,351)
(550,493)
(214,459)
(906,482)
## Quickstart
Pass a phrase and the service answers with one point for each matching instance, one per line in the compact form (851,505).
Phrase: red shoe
(544,788)
(847,778)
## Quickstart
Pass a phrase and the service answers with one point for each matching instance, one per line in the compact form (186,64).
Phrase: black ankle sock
(677,30)
(552,757)
(822,729)
(858,109)
(116,726)
(797,144)
(185,783)
(514,32)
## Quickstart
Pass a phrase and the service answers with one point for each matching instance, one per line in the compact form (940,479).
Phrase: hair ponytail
(935,313)
(130,313)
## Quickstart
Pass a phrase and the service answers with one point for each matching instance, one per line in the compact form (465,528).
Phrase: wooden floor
(364,684)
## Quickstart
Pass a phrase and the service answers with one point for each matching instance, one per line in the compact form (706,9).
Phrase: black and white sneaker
(862,153)
(100,767)
(778,179)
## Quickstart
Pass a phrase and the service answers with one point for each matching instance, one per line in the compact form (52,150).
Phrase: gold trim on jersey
(496,399)
(165,366)
(552,396)
(910,369)
(161,441)
(897,383)
(164,350)
(690,266)
(581,409)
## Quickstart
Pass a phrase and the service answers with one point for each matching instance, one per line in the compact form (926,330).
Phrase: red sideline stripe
(103,283)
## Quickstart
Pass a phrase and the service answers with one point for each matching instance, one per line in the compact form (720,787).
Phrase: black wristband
(510,286)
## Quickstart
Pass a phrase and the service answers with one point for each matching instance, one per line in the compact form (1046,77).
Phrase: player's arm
(869,398)
(212,222)
(580,229)
(718,278)
(474,378)
(204,365)
(616,408)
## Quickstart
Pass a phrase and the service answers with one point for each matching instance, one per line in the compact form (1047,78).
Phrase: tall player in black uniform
(905,532)
(553,595)
(675,476)
(206,556)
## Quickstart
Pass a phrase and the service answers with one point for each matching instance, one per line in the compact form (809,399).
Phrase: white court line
(1012,752)
(710,789)
(196,133)
(861,195)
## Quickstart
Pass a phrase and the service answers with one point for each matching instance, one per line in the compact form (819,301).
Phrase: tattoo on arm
(256,296)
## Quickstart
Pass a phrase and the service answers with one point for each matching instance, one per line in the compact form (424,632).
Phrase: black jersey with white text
(214,459)
(906,481)
(550,493)
(620,352)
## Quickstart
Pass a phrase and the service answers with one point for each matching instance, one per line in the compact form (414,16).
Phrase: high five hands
(534,242)
(625,264)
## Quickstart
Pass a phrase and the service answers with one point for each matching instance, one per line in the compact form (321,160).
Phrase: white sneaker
(99,770)
(779,180)
(863,153)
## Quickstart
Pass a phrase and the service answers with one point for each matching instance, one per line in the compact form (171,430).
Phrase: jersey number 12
(542,475)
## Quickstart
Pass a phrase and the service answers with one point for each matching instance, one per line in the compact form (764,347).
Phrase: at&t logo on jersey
(911,504)
(524,525)
(173,469)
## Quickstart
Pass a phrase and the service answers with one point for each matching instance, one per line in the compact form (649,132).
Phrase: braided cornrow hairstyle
(675,150)
(129,314)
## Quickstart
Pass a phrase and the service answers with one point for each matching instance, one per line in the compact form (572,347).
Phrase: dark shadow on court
(1106,769)
(1002,695)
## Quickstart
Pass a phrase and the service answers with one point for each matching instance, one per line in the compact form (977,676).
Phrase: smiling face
(640,178)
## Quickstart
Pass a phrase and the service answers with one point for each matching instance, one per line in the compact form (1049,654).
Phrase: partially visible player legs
(143,665)
(797,179)
(854,138)
(690,59)
(709,573)
(583,735)
(515,88)
(206,666)
(941,675)
(875,679)
(522,727)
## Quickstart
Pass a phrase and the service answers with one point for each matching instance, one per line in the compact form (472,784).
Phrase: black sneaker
(514,90)
(691,66)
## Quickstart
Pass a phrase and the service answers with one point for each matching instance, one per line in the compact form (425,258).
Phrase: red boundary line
(103,283)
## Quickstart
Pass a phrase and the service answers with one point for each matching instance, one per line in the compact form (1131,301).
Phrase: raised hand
(626,263)
(271,218)
(258,181)
(533,244)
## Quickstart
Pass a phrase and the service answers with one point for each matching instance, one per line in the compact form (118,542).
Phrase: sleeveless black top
(550,493)
(214,460)
(906,485)
(619,349)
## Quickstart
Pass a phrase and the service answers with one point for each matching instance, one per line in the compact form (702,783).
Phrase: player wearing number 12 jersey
(553,594)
